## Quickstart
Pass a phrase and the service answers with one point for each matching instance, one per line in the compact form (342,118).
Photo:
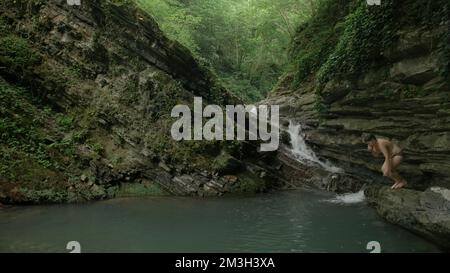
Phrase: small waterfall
(303,153)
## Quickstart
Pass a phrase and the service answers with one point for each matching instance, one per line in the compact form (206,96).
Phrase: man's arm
(387,158)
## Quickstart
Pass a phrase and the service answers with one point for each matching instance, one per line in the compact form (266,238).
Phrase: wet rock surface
(426,213)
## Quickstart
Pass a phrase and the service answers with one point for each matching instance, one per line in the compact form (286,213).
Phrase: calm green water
(292,221)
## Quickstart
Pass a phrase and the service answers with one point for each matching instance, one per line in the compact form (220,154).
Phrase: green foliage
(316,39)
(96,148)
(225,163)
(175,20)
(242,86)
(33,141)
(43,196)
(20,135)
(367,32)
(250,184)
(16,52)
(346,38)
(191,155)
(121,2)
(244,41)
(65,122)
(18,124)
(3,26)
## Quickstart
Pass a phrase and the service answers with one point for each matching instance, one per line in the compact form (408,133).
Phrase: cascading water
(303,153)
(348,198)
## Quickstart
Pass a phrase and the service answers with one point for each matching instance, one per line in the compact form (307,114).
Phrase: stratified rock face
(425,213)
(402,95)
(381,70)
(100,81)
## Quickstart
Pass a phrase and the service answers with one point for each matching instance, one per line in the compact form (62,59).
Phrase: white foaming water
(349,198)
(303,153)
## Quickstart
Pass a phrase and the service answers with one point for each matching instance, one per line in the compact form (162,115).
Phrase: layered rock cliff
(400,91)
(86,97)
(382,70)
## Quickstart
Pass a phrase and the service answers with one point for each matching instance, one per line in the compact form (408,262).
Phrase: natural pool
(287,221)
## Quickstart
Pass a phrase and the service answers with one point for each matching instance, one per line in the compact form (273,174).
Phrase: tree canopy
(244,41)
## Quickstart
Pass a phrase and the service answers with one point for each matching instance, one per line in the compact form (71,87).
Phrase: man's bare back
(392,158)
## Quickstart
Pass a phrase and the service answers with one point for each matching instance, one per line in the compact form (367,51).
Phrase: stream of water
(303,153)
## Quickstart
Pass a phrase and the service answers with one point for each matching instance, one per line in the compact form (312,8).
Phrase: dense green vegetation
(25,135)
(244,41)
(347,38)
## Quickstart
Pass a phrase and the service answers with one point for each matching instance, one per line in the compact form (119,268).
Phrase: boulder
(415,71)
(425,213)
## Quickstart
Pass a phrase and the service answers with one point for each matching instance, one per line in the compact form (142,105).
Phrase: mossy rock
(226,164)
(249,184)
(31,196)
(140,189)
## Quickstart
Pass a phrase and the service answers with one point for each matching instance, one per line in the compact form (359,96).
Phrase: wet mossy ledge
(86,94)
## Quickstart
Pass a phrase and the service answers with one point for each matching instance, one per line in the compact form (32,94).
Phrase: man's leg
(399,181)
(384,169)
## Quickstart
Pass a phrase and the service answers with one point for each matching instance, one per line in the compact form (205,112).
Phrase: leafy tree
(245,41)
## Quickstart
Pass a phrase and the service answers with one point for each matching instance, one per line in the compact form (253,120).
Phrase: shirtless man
(392,158)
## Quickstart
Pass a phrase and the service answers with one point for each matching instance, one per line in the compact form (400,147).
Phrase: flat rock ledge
(426,213)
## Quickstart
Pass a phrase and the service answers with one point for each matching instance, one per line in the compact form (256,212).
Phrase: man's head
(371,141)
(368,138)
